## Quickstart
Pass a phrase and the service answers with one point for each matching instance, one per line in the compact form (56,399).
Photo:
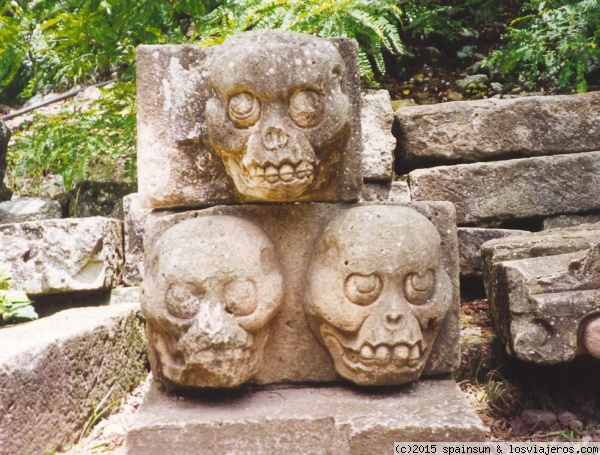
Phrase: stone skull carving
(279,118)
(377,293)
(211,288)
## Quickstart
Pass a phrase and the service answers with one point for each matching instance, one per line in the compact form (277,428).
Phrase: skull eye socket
(418,288)
(183,300)
(240,297)
(305,108)
(244,110)
(362,289)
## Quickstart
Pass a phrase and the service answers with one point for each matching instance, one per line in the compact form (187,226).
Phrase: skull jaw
(255,186)
(280,176)
(218,366)
(389,370)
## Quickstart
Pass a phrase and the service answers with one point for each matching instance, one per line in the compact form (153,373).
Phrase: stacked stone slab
(544,292)
(261,291)
(504,161)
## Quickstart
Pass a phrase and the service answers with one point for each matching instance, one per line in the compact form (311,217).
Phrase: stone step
(57,371)
(325,420)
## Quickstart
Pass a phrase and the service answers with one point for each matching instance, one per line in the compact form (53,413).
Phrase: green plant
(15,306)
(373,23)
(502,398)
(95,142)
(558,40)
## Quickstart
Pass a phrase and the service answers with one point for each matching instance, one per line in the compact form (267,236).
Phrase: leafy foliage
(97,143)
(373,23)
(558,40)
(81,41)
(15,306)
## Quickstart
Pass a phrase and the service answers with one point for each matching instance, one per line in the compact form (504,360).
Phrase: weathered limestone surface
(491,129)
(293,353)
(396,191)
(189,141)
(97,198)
(4,138)
(379,144)
(54,256)
(29,209)
(469,246)
(55,371)
(135,220)
(288,420)
(519,188)
(563,221)
(543,288)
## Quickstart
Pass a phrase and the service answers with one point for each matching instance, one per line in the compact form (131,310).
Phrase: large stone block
(288,421)
(544,292)
(469,247)
(56,256)
(57,371)
(135,220)
(24,209)
(484,130)
(284,125)
(519,188)
(379,144)
(289,235)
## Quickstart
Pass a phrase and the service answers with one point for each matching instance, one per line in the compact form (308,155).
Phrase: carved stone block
(393,263)
(544,292)
(266,116)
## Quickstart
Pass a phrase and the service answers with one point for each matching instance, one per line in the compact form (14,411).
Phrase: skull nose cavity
(275,138)
(393,319)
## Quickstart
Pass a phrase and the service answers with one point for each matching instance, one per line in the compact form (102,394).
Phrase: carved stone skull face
(279,117)
(212,286)
(377,293)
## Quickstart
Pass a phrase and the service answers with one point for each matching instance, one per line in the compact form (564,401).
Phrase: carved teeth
(414,356)
(301,170)
(367,352)
(271,174)
(286,172)
(382,353)
(401,352)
